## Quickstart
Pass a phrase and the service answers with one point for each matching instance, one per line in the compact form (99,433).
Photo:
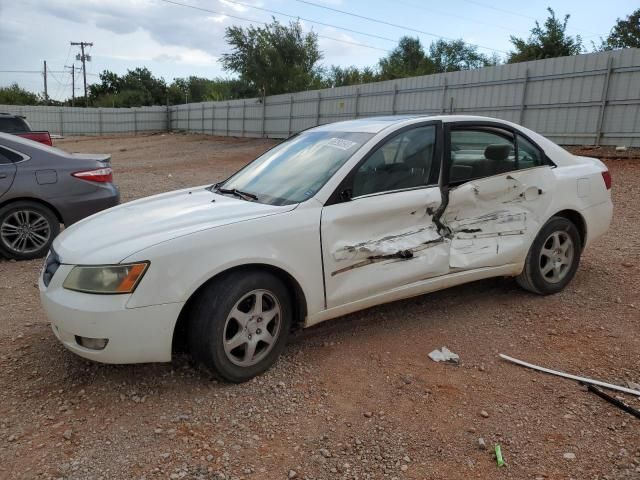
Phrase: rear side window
(13,125)
(528,154)
(7,156)
(484,152)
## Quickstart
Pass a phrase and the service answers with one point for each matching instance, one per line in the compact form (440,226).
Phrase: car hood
(114,234)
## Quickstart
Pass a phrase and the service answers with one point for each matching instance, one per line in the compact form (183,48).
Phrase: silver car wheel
(252,328)
(25,231)
(556,256)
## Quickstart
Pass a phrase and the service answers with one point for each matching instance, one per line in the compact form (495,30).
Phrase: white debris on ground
(444,355)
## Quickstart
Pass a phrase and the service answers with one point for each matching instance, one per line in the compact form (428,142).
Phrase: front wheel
(553,258)
(239,324)
(27,230)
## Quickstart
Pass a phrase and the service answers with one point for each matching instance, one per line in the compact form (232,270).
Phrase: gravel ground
(354,398)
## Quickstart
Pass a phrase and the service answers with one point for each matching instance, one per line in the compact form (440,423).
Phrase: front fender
(289,241)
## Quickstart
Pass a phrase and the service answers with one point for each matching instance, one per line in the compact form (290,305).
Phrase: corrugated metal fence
(585,99)
(92,121)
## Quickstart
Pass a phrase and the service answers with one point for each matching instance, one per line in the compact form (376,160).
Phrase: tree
(15,95)
(339,77)
(548,41)
(624,34)
(198,89)
(408,59)
(274,59)
(136,88)
(457,55)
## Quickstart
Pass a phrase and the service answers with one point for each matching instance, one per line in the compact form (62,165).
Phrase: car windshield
(296,169)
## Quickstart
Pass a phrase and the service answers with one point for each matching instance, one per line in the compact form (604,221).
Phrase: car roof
(377,124)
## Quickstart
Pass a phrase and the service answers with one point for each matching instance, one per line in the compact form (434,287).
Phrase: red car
(18,125)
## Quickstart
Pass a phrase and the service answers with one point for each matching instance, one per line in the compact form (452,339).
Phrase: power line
(453,15)
(39,72)
(384,22)
(276,12)
(517,14)
(208,10)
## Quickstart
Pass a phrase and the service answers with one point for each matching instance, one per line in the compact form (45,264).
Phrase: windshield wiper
(236,192)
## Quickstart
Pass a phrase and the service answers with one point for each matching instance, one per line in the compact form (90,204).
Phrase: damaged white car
(337,218)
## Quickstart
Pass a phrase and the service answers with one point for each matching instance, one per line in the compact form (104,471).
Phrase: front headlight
(105,279)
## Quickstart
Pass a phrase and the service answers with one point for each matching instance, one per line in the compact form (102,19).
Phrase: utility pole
(73,83)
(84,58)
(46,92)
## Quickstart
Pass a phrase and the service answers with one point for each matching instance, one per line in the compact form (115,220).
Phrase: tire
(41,227)
(224,324)
(553,258)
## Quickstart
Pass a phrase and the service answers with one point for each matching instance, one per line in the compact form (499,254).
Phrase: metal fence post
(168,119)
(357,101)
(444,95)
(393,100)
(213,118)
(264,113)
(603,101)
(523,100)
(100,122)
(61,121)
(135,121)
(226,123)
(188,117)
(244,109)
(318,108)
(202,120)
(290,115)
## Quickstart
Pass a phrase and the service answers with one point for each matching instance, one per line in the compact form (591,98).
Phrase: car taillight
(606,176)
(101,175)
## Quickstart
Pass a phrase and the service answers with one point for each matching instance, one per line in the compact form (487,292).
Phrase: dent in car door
(494,220)
(373,244)
(502,198)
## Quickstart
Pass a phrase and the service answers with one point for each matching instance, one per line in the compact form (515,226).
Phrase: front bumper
(135,335)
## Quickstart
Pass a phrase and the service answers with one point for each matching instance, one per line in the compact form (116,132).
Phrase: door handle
(3,175)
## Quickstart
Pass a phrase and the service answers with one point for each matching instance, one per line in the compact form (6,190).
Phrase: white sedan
(335,219)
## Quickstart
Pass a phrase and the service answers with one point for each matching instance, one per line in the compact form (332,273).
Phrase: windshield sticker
(341,143)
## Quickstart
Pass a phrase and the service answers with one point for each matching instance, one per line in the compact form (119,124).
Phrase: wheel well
(299,300)
(578,220)
(34,200)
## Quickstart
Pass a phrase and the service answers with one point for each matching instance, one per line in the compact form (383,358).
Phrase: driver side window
(405,161)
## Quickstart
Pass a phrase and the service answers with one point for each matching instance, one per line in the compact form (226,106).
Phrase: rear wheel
(239,324)
(553,258)
(27,230)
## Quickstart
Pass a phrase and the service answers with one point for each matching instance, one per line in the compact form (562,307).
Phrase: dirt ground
(354,398)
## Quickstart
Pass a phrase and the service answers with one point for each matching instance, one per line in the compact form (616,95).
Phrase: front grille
(50,267)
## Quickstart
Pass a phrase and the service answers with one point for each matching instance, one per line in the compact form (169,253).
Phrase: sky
(178,41)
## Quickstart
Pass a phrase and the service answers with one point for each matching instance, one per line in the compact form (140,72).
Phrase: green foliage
(548,41)
(457,55)
(136,88)
(274,59)
(624,34)
(408,59)
(339,77)
(14,95)
(198,89)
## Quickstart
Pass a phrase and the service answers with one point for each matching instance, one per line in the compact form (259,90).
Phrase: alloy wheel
(556,256)
(252,328)
(25,231)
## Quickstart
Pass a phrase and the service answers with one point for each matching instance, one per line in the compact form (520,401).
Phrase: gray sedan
(42,187)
